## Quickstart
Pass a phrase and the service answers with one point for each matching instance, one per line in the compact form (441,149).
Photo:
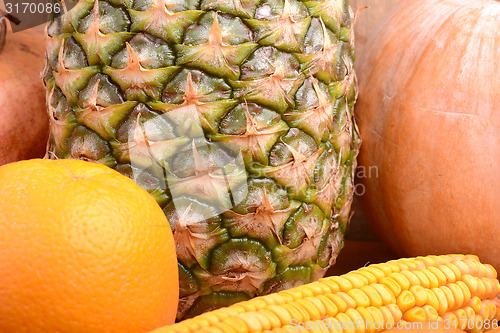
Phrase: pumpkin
(429,117)
(24,123)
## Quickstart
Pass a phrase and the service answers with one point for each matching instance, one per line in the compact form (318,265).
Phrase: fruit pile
(200,160)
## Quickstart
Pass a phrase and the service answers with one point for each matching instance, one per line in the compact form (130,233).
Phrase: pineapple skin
(171,92)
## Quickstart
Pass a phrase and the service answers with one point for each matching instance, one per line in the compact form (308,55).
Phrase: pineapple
(235,115)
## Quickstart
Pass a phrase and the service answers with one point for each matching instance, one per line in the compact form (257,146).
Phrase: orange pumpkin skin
(24,124)
(429,117)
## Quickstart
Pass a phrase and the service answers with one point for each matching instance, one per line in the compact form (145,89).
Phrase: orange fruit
(82,249)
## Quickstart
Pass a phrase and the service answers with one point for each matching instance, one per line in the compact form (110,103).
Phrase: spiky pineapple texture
(170,91)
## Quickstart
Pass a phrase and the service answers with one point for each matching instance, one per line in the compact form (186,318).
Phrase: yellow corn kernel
(431,313)
(357,280)
(373,296)
(359,297)
(465,290)
(286,329)
(411,277)
(472,283)
(384,268)
(211,317)
(368,320)
(237,323)
(243,307)
(273,319)
(475,304)
(259,303)
(304,291)
(442,301)
(427,261)
(495,287)
(461,317)
(439,275)
(481,288)
(433,281)
(252,322)
(393,266)
(225,328)
(313,306)
(292,294)
(462,267)
(488,288)
(413,265)
(480,270)
(202,322)
(405,300)
(448,273)
(395,311)
(485,310)
(265,319)
(330,284)
(469,257)
(491,273)
(454,269)
(384,293)
(477,327)
(346,323)
(387,315)
(181,329)
(357,319)
(230,311)
(315,288)
(303,314)
(491,308)
(415,314)
(496,301)
(279,299)
(342,282)
(211,329)
(401,280)
(458,295)
(470,312)
(450,300)
(287,298)
(334,326)
(424,280)
(281,313)
(331,308)
(369,274)
(376,313)
(188,325)
(351,303)
(393,286)
(338,301)
(419,294)
(432,299)
(402,266)
(293,312)
(450,319)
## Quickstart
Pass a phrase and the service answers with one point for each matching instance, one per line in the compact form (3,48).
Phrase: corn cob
(455,289)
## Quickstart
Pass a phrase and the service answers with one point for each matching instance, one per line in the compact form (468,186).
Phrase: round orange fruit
(82,249)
